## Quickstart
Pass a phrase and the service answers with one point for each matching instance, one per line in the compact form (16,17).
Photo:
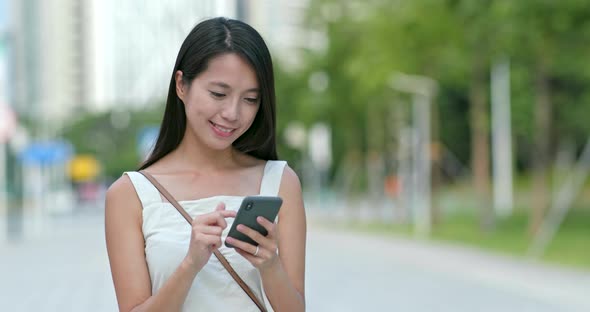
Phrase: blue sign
(47,152)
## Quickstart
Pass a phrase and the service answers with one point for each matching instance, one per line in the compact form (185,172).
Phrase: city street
(352,272)
(441,148)
(66,269)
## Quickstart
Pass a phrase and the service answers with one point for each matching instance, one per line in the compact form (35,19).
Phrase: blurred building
(281,23)
(73,56)
(76,56)
(5,37)
(51,59)
(145,39)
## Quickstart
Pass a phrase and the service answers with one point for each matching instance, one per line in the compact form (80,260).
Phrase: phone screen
(251,208)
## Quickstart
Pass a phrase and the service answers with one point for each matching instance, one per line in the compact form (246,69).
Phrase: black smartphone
(251,208)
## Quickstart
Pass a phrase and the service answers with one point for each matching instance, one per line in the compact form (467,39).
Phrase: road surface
(64,267)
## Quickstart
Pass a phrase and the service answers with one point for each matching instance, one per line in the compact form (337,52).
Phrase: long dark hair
(208,39)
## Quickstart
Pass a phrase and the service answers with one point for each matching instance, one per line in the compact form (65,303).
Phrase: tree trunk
(541,149)
(480,144)
(436,155)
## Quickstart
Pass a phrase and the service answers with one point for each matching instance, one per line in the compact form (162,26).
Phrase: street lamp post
(7,127)
(422,89)
(501,137)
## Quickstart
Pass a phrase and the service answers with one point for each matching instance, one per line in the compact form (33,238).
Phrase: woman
(216,146)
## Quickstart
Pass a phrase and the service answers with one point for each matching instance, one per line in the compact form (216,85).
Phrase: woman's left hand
(264,255)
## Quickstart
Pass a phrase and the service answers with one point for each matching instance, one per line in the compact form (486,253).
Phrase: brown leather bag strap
(216,252)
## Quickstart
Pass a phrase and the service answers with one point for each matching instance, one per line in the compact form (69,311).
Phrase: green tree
(551,39)
(114,146)
(455,42)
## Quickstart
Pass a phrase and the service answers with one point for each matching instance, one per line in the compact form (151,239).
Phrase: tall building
(280,22)
(73,56)
(49,43)
(146,40)
(5,55)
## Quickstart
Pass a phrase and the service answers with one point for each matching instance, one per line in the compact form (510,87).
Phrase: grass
(572,243)
(460,224)
(570,246)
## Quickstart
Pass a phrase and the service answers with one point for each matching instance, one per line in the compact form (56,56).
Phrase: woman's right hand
(206,235)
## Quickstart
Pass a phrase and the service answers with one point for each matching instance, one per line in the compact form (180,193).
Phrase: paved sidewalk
(67,269)
(64,270)
(355,272)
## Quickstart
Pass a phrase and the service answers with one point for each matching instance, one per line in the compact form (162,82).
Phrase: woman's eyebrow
(220,84)
(226,86)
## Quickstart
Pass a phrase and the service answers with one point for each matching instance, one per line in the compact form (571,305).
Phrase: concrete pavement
(355,272)
(66,269)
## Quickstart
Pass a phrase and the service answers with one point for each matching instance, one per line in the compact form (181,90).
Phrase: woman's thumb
(220,206)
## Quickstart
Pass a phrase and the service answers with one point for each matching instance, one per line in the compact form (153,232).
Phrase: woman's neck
(190,155)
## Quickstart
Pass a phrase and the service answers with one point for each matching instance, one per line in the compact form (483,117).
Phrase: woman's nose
(231,110)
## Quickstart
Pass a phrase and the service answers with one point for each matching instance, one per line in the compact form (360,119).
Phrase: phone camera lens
(249,206)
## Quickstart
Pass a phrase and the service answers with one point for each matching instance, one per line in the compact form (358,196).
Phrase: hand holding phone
(251,208)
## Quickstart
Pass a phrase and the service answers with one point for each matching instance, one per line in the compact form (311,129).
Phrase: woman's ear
(180,85)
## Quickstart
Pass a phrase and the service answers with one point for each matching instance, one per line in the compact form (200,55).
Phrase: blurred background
(443,145)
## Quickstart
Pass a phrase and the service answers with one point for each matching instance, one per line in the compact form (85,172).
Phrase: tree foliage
(446,39)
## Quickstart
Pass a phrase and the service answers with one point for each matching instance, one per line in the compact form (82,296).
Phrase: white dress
(167,237)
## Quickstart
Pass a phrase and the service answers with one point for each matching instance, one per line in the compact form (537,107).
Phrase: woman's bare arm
(284,283)
(125,246)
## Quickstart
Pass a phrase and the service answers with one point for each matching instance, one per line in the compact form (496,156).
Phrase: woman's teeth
(222,129)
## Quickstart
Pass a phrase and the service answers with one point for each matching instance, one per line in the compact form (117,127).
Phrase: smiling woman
(222,101)
(215,147)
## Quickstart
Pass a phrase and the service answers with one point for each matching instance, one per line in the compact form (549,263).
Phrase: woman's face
(222,101)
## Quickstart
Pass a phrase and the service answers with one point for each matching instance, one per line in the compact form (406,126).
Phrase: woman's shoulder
(291,193)
(121,193)
(290,180)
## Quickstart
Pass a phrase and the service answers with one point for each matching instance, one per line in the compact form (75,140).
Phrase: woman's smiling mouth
(221,130)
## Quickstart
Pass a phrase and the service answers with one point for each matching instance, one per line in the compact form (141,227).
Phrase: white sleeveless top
(167,237)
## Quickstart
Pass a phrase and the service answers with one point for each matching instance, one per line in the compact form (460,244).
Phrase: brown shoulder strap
(216,252)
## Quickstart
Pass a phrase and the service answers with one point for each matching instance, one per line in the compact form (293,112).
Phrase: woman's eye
(217,95)
(252,100)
